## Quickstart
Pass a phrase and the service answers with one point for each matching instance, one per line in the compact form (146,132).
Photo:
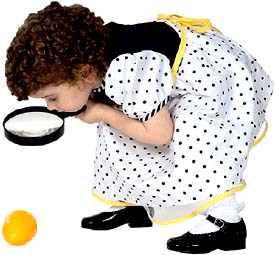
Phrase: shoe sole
(236,246)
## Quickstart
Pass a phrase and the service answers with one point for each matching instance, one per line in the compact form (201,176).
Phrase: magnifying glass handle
(69,114)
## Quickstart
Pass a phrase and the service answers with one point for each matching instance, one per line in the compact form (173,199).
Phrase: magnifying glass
(36,125)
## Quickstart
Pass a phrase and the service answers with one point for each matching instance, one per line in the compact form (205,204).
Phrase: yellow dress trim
(110,202)
(199,25)
(261,137)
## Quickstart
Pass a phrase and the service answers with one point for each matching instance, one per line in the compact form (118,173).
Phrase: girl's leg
(227,209)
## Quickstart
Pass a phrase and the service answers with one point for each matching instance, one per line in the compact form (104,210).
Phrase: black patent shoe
(230,236)
(134,216)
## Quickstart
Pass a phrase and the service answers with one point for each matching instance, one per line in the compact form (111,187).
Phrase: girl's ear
(87,73)
(84,70)
(90,78)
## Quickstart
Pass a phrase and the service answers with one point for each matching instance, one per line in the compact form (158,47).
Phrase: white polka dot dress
(218,107)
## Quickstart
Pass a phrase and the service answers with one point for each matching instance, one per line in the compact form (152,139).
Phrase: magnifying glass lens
(36,125)
(33,124)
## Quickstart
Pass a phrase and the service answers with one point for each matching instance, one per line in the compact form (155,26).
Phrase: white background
(53,182)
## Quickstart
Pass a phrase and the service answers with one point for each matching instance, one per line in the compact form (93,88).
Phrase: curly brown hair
(52,46)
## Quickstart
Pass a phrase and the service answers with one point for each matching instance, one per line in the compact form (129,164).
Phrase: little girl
(178,106)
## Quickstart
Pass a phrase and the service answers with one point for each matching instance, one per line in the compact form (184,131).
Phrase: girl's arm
(158,130)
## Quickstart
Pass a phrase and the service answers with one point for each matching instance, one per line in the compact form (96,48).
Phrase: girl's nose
(51,107)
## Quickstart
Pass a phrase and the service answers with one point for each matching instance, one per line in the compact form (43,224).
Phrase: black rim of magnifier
(32,141)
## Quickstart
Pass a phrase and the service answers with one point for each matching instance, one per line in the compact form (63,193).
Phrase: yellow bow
(199,25)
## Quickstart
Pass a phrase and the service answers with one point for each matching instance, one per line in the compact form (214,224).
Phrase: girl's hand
(93,113)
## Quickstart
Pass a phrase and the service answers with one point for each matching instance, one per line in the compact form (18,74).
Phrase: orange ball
(19,228)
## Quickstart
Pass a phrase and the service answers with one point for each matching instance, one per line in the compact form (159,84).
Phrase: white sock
(204,227)
(226,209)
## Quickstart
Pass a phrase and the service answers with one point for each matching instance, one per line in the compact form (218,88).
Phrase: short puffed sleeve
(140,83)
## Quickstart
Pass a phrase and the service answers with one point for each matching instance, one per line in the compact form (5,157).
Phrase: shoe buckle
(219,223)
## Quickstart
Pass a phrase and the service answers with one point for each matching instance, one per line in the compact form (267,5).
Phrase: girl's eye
(52,99)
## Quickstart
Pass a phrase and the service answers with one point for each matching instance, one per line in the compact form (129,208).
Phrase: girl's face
(66,97)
